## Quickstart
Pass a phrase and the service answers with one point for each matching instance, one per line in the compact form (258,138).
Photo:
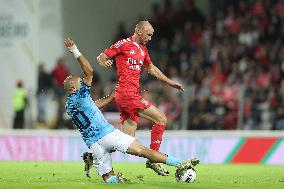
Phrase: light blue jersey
(87,116)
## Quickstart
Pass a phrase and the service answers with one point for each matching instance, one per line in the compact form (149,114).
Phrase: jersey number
(81,120)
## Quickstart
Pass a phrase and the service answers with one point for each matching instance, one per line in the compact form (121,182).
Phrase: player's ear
(72,90)
(139,32)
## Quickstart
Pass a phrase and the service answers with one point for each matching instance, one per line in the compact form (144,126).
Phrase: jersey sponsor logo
(134,64)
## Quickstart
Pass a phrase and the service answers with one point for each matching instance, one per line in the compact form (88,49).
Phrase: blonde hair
(142,24)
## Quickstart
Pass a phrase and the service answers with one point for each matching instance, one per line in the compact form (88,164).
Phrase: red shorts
(129,104)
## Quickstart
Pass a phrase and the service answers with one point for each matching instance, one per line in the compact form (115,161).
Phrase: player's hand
(69,42)
(177,86)
(106,64)
(104,61)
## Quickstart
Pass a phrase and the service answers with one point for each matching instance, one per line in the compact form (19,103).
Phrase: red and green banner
(256,150)
(217,149)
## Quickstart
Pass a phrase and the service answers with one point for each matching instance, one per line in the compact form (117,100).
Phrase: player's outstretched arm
(105,100)
(104,60)
(154,71)
(84,63)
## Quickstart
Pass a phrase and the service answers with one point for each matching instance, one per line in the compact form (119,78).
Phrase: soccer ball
(186,176)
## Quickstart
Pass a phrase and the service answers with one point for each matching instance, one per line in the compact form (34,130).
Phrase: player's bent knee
(162,120)
(165,120)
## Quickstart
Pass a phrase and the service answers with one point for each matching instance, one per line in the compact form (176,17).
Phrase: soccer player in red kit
(131,55)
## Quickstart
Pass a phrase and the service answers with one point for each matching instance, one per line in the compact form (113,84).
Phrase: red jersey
(130,58)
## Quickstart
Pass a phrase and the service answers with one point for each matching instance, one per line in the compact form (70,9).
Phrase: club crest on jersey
(132,52)
(142,52)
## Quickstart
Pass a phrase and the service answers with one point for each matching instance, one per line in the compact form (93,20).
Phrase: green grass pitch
(69,175)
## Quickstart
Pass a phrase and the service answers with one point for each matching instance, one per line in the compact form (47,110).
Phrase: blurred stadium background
(228,54)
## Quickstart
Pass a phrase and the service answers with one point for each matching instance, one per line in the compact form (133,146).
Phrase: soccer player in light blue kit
(100,136)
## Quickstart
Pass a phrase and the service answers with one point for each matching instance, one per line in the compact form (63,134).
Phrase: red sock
(156,136)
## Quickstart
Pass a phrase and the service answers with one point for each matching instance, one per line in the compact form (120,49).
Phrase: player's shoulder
(122,42)
(85,85)
(70,101)
(144,47)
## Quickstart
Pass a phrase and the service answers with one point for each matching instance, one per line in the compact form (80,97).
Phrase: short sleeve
(113,50)
(147,59)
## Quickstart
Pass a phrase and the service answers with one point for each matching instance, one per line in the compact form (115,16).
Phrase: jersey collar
(136,44)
